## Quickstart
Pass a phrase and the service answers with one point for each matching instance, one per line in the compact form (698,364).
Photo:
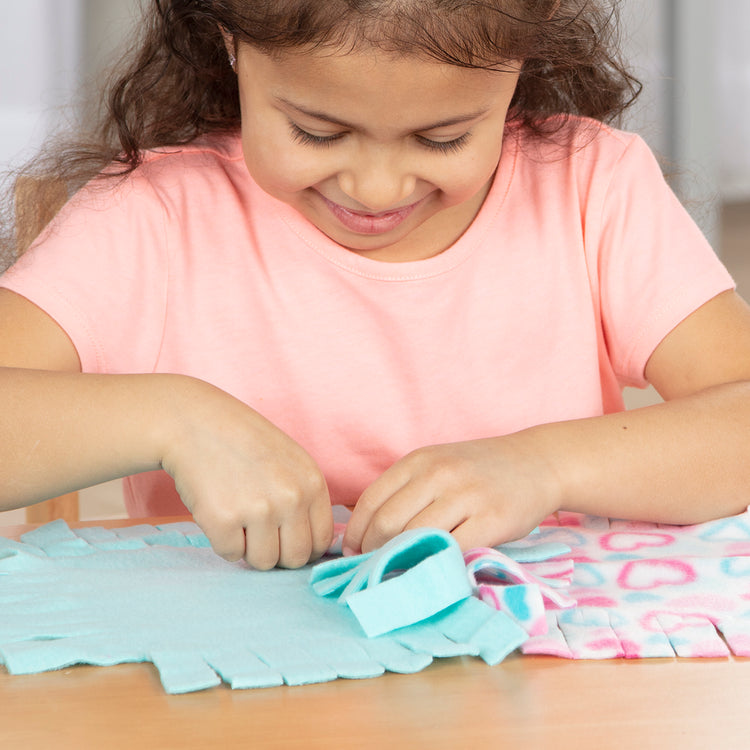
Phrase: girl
(384,253)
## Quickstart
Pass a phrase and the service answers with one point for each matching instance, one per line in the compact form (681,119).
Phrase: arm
(254,491)
(683,461)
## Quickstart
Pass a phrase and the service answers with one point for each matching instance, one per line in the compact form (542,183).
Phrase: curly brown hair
(176,83)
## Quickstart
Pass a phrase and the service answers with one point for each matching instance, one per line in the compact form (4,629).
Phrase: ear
(230,46)
(228,40)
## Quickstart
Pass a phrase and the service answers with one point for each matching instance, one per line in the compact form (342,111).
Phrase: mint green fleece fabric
(161,595)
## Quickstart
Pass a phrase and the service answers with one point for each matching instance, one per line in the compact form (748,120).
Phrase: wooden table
(525,702)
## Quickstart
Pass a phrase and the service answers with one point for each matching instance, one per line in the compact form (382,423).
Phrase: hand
(253,490)
(485,492)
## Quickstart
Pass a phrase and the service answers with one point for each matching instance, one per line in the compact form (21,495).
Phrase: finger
(321,527)
(443,513)
(227,540)
(395,514)
(369,503)
(262,544)
(295,543)
(478,532)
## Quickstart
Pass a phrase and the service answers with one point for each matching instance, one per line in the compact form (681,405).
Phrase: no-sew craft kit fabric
(646,590)
(579,587)
(160,594)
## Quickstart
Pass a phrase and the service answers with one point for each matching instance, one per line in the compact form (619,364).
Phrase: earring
(233,61)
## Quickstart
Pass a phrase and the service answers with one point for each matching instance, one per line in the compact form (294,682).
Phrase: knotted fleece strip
(159,594)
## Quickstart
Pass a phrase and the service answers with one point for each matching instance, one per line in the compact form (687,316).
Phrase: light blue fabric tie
(412,577)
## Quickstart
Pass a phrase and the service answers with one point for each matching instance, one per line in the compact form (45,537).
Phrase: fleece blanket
(579,587)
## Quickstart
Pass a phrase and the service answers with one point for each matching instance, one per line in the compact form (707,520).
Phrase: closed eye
(302,136)
(445,147)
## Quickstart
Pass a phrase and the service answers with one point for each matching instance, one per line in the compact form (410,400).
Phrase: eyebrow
(459,120)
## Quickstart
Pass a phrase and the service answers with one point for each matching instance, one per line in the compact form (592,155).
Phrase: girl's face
(389,156)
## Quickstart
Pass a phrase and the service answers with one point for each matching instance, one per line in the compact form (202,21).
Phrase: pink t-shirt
(579,263)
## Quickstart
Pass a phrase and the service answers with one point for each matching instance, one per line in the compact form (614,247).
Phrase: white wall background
(733,89)
(41,53)
(49,49)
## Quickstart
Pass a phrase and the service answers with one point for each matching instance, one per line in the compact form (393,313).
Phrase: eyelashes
(308,139)
(444,147)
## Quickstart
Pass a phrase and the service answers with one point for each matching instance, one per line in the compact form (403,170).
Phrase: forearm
(64,431)
(684,461)
(255,492)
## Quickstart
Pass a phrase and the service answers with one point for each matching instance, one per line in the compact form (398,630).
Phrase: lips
(364,223)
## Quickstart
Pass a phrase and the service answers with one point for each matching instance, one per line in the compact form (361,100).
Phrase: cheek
(471,174)
(273,170)
(463,184)
(275,162)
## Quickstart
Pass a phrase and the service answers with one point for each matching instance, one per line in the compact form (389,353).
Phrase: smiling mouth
(365,223)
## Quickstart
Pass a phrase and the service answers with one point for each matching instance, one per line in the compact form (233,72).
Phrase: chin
(367,243)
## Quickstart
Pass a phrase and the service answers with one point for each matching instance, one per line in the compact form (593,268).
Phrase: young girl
(383,253)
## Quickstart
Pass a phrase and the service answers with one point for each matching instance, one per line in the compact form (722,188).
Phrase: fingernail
(348,552)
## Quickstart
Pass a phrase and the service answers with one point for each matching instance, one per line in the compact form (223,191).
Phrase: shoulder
(212,161)
(219,151)
(168,182)
(583,164)
(579,143)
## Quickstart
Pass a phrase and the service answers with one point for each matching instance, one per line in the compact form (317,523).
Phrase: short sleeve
(655,266)
(100,270)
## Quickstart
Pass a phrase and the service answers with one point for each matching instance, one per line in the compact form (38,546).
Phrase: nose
(377,181)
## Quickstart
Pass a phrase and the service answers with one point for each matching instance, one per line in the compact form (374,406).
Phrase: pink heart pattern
(643,575)
(624,541)
(656,590)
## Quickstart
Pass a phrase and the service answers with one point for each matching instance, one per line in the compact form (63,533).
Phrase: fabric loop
(411,578)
